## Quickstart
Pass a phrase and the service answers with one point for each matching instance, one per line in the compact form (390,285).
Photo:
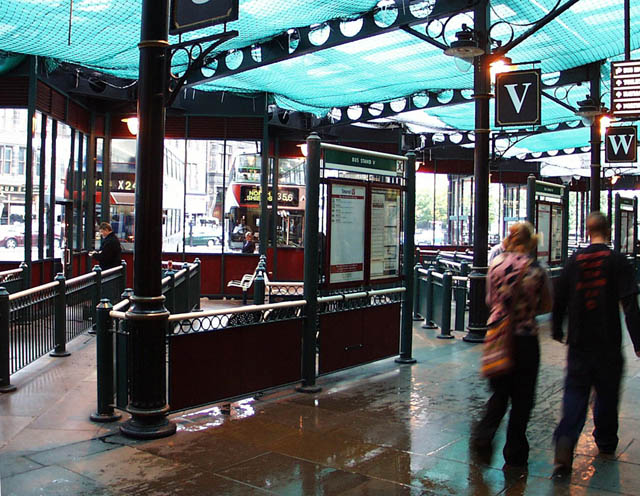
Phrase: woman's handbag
(497,356)
(497,351)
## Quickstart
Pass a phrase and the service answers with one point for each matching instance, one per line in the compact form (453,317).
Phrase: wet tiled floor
(380,429)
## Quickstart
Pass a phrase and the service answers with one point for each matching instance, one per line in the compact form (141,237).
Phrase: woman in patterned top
(521,300)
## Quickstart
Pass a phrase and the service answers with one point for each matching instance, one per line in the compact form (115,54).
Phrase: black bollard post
(97,296)
(5,309)
(258,285)
(445,329)
(416,292)
(104,350)
(428,318)
(60,330)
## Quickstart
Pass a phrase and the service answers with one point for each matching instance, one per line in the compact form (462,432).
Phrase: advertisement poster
(544,230)
(626,231)
(346,255)
(385,230)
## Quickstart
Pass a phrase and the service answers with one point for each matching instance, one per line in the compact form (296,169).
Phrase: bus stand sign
(189,15)
(363,164)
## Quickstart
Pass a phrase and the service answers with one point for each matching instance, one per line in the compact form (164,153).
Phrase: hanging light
(303,149)
(503,64)
(132,124)
(465,45)
(589,109)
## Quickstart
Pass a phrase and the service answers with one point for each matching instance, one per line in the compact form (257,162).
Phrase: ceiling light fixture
(465,45)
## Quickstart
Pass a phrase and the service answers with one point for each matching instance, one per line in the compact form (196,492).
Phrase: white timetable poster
(385,230)
(544,230)
(346,255)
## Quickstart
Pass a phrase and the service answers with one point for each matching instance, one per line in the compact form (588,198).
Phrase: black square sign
(518,98)
(621,144)
(189,15)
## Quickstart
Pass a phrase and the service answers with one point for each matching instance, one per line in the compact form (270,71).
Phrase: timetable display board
(556,234)
(384,243)
(543,225)
(346,231)
(626,231)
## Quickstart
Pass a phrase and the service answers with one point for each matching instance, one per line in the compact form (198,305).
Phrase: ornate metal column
(481,85)
(596,140)
(147,315)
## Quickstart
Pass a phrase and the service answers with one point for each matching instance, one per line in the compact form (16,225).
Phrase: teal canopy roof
(103,35)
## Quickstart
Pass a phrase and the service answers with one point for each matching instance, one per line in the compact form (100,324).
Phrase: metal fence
(43,319)
(15,279)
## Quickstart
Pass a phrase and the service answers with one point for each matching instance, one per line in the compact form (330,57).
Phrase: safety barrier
(435,294)
(38,320)
(14,279)
(264,341)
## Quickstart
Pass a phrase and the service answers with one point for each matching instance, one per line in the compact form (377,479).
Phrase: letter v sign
(513,94)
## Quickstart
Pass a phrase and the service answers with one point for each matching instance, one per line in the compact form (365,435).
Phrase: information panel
(544,230)
(556,234)
(626,231)
(385,233)
(625,88)
(346,230)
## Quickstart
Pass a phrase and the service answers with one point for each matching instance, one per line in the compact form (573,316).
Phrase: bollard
(428,318)
(97,296)
(170,295)
(198,281)
(124,276)
(416,292)
(187,288)
(104,350)
(60,330)
(259,285)
(122,359)
(25,272)
(5,309)
(445,327)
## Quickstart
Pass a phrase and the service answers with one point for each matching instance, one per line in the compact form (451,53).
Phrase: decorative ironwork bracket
(197,56)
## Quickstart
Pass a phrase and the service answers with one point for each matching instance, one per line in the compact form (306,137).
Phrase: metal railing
(14,280)
(115,321)
(41,320)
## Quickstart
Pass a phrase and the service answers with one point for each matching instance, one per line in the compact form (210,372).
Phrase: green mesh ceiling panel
(103,34)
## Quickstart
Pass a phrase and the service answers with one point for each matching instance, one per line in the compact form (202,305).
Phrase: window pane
(13,136)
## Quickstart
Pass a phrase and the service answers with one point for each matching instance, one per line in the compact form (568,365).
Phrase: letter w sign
(621,144)
(518,98)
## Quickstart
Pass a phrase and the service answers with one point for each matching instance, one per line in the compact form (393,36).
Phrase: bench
(282,289)
(244,284)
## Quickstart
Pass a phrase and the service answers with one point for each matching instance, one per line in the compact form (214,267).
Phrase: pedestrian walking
(592,285)
(518,289)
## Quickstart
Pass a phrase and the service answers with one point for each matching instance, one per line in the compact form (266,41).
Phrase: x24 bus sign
(518,98)
(189,15)
(621,144)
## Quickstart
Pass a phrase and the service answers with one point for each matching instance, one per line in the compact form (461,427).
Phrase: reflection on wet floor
(383,429)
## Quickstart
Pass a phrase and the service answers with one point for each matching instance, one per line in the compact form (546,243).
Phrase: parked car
(205,236)
(13,236)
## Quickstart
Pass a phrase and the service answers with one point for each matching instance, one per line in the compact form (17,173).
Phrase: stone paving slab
(381,429)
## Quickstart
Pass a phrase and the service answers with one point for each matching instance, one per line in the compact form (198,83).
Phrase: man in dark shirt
(110,253)
(249,245)
(593,283)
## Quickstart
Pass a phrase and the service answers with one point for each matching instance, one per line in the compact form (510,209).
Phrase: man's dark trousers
(602,371)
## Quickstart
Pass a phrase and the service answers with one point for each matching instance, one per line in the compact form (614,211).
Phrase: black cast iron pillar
(312,171)
(148,316)
(408,255)
(481,86)
(264,181)
(596,140)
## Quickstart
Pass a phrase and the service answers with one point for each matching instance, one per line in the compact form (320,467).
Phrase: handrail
(29,292)
(243,309)
(166,280)
(361,294)
(10,272)
(112,270)
(120,305)
(83,277)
